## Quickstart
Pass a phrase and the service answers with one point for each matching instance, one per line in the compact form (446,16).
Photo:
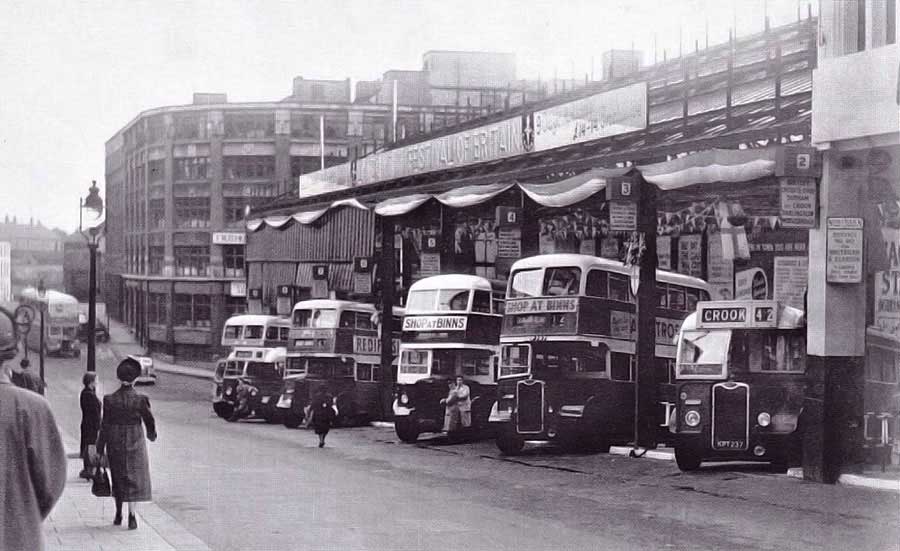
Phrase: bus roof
(254,319)
(50,296)
(585,261)
(452,281)
(788,318)
(334,304)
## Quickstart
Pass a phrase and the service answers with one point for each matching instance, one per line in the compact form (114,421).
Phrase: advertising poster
(887,286)
(751,284)
(664,252)
(574,232)
(790,281)
(719,270)
(690,255)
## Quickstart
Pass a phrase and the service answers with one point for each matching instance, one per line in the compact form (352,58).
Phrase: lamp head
(93,202)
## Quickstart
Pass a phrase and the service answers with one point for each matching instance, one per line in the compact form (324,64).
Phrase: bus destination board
(755,314)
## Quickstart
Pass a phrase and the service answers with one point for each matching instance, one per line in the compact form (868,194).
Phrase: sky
(72,73)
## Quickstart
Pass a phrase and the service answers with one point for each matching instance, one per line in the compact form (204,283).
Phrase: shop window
(191,261)
(157,308)
(249,125)
(192,212)
(881,365)
(249,166)
(192,310)
(233,260)
(235,306)
(191,168)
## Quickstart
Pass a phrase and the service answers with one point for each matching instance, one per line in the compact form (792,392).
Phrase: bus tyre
(406,430)
(509,443)
(687,458)
(292,420)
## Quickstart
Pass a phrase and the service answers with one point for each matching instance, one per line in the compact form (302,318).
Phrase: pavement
(122,343)
(82,522)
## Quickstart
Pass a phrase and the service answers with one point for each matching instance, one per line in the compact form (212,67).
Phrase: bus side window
(619,288)
(676,297)
(693,297)
(283,333)
(364,372)
(499,304)
(348,319)
(364,321)
(481,302)
(621,368)
(272,333)
(596,284)
(662,299)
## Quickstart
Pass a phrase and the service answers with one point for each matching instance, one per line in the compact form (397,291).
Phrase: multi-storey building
(36,253)
(180,180)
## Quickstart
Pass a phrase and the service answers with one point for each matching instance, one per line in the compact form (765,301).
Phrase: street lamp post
(94,204)
(42,293)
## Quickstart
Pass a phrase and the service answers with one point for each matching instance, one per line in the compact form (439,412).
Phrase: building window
(191,261)
(191,310)
(304,125)
(157,170)
(155,261)
(156,214)
(156,130)
(249,166)
(233,260)
(191,168)
(157,308)
(234,209)
(190,127)
(192,212)
(235,306)
(249,125)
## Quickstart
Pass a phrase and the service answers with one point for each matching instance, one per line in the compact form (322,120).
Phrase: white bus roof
(451,281)
(334,304)
(255,319)
(788,318)
(584,261)
(50,296)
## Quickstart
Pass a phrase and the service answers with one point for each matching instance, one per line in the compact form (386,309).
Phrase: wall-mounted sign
(435,323)
(362,265)
(799,161)
(362,283)
(541,305)
(229,238)
(622,216)
(320,272)
(798,202)
(751,284)
(237,289)
(591,118)
(844,250)
(256,293)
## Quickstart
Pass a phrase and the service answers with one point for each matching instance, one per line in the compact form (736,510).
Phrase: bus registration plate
(729,444)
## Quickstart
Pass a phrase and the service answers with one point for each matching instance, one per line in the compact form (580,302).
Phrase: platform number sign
(804,161)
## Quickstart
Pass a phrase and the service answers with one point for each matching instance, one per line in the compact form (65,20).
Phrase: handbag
(101,486)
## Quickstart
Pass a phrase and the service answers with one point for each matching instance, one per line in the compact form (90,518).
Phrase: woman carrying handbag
(122,440)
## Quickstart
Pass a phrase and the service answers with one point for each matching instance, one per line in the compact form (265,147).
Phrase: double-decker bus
(60,321)
(335,344)
(261,368)
(254,334)
(451,328)
(740,374)
(567,350)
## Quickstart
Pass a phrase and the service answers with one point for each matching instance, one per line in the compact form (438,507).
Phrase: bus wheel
(292,420)
(509,443)
(687,458)
(223,410)
(406,430)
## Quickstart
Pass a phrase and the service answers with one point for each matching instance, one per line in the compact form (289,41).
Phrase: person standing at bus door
(90,420)
(451,409)
(122,438)
(31,452)
(323,414)
(463,402)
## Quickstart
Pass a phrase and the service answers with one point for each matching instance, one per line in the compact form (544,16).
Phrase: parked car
(148,372)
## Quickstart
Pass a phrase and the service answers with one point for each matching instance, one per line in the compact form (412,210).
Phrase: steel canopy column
(386,264)
(646,385)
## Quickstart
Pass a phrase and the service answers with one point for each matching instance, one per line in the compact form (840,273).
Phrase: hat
(8,336)
(128,370)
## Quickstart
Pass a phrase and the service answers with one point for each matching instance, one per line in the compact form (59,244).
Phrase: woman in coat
(323,415)
(122,437)
(90,420)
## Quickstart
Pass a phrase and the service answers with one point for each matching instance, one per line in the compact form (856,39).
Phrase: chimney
(620,63)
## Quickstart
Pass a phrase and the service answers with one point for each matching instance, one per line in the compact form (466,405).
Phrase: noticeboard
(844,248)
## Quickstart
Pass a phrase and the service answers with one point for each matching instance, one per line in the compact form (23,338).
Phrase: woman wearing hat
(122,437)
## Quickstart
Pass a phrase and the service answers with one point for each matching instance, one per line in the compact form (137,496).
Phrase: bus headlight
(692,418)
(764,419)
(404,399)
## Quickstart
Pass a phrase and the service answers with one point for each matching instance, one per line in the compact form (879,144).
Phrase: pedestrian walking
(122,440)
(323,414)
(27,379)
(90,420)
(31,452)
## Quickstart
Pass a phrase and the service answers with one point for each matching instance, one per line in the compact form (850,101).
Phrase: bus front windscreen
(233,331)
(253,332)
(414,361)
(328,368)
(514,360)
(703,353)
(264,371)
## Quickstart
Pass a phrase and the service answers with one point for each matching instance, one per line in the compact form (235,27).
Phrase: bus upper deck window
(481,302)
(253,332)
(283,333)
(619,287)
(596,284)
(348,320)
(526,284)
(562,281)
(421,301)
(233,331)
(676,298)
(453,300)
(364,321)
(272,333)
(302,318)
(693,297)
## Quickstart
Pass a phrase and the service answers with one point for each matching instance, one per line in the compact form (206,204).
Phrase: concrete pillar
(836,321)
(216,203)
